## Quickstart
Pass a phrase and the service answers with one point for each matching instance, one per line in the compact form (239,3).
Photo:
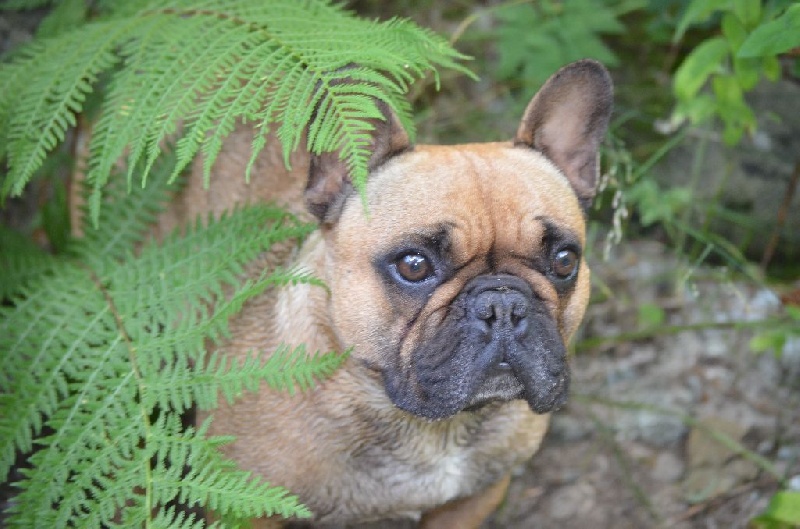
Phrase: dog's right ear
(566,121)
(329,177)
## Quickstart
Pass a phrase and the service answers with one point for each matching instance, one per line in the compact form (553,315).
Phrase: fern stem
(148,488)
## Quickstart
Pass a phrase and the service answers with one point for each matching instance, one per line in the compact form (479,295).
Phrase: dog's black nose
(501,305)
(503,309)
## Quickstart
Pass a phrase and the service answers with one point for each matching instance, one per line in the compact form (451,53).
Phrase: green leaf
(727,91)
(774,341)
(696,68)
(777,36)
(650,315)
(772,67)
(783,507)
(697,12)
(98,337)
(21,261)
(176,68)
(698,109)
(748,12)
(66,15)
(734,30)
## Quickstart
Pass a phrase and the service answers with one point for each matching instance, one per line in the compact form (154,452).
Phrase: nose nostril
(486,313)
(506,308)
(519,311)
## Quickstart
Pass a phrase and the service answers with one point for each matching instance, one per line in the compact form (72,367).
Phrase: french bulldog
(455,282)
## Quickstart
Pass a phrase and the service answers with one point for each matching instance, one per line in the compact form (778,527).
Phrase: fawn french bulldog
(457,288)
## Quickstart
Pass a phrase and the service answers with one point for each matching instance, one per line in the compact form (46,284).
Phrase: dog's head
(464,276)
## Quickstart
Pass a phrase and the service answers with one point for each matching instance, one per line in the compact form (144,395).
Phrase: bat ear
(329,177)
(566,121)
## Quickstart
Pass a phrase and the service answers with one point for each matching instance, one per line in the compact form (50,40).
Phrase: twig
(698,508)
(791,187)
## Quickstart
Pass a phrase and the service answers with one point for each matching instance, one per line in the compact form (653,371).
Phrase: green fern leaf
(50,93)
(20,260)
(92,345)
(212,481)
(284,370)
(190,72)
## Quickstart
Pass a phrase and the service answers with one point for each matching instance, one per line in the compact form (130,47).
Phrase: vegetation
(104,350)
(100,348)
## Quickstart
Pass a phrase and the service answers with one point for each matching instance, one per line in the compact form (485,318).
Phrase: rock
(713,468)
(703,450)
(572,501)
(569,429)
(667,468)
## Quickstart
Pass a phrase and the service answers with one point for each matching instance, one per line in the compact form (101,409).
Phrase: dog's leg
(466,513)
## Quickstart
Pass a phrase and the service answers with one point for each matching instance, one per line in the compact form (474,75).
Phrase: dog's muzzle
(498,343)
(524,354)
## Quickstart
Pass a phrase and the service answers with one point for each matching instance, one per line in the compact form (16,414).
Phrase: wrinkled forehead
(484,192)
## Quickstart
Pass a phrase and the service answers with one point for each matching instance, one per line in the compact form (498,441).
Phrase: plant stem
(791,187)
(667,330)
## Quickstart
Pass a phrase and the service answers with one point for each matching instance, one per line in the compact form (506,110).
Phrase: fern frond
(284,370)
(190,71)
(49,94)
(94,342)
(211,480)
(42,347)
(20,260)
(120,227)
(64,16)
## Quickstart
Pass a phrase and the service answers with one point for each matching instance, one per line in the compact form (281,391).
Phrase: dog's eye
(414,267)
(564,263)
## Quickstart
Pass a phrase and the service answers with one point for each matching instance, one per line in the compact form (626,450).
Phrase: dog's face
(464,278)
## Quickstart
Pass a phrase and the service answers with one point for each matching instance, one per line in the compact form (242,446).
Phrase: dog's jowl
(456,288)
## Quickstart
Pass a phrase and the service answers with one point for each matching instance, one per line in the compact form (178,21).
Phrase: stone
(572,501)
(713,468)
(667,468)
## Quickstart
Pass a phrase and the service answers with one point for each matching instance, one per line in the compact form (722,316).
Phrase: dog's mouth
(500,384)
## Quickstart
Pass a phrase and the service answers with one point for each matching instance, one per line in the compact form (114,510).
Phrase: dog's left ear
(329,177)
(567,120)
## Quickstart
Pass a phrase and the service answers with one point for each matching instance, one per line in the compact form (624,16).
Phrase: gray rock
(572,501)
(667,468)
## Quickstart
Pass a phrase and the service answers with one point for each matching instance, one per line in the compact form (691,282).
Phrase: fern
(21,260)
(103,349)
(192,69)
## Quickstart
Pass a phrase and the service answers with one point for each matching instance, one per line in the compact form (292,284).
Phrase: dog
(456,283)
